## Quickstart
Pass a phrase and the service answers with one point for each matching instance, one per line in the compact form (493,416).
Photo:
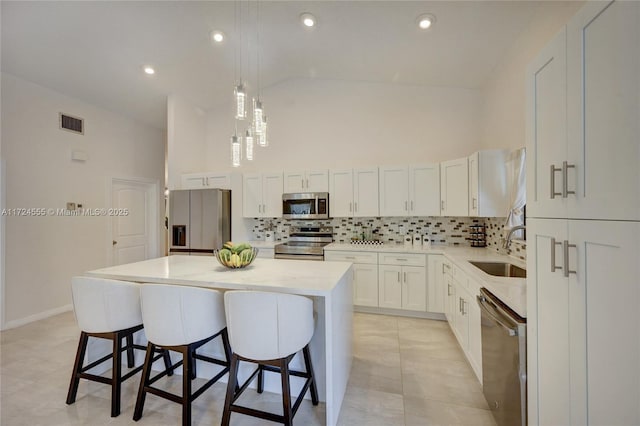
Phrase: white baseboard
(37,317)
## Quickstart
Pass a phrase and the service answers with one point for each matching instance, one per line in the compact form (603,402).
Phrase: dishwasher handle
(490,310)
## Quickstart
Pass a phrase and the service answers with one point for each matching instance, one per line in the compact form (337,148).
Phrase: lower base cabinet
(402,287)
(365,285)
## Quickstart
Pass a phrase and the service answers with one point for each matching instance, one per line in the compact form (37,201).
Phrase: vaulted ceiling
(95,51)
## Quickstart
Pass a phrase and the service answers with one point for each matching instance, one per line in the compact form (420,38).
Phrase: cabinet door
(390,286)
(414,288)
(435,283)
(546,129)
(294,182)
(450,301)
(454,191)
(192,181)
(317,181)
(365,192)
(603,62)
(252,195)
(475,333)
(365,285)
(473,184)
(217,180)
(394,191)
(424,190)
(461,328)
(604,349)
(272,195)
(548,327)
(341,193)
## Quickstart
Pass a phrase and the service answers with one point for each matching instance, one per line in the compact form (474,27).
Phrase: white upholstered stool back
(179,315)
(265,326)
(102,305)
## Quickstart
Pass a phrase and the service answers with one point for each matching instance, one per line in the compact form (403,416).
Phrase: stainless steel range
(305,242)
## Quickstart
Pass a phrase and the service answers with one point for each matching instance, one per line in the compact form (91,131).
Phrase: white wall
(42,253)
(329,123)
(504,94)
(186,128)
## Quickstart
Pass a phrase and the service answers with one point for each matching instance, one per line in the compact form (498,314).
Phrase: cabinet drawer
(351,256)
(409,259)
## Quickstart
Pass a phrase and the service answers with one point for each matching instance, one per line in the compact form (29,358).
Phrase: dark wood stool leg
(116,374)
(231,389)
(286,393)
(130,358)
(309,367)
(227,351)
(260,378)
(77,367)
(192,362)
(166,356)
(187,375)
(144,381)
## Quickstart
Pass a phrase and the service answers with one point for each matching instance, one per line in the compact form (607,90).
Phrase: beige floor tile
(419,412)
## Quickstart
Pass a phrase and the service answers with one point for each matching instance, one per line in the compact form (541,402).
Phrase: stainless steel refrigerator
(199,220)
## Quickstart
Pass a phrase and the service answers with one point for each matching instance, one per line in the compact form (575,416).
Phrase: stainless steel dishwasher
(504,360)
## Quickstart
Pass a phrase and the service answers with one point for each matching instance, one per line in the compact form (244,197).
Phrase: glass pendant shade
(262,136)
(240,97)
(236,151)
(257,116)
(248,139)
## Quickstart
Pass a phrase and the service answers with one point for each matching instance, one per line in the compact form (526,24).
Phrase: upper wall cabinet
(488,186)
(353,192)
(454,187)
(306,181)
(206,180)
(583,133)
(262,195)
(410,191)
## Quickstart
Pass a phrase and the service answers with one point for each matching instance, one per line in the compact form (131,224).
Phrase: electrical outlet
(71,206)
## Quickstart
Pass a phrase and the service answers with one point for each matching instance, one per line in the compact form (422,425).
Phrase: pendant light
(236,151)
(258,110)
(262,136)
(248,139)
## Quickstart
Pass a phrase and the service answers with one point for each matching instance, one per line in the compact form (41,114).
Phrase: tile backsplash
(390,230)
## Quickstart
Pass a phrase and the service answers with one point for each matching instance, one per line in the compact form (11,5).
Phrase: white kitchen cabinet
(454,187)
(353,192)
(583,131)
(262,195)
(436,286)
(583,327)
(306,181)
(206,180)
(402,281)
(461,322)
(474,349)
(365,275)
(488,184)
(410,190)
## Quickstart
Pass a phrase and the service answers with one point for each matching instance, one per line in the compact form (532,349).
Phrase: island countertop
(304,277)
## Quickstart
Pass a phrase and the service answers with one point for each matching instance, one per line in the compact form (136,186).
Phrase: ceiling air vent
(71,124)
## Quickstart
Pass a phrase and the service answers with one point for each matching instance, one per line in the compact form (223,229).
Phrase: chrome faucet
(507,241)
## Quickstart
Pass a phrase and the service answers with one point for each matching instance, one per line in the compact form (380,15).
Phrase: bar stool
(181,319)
(107,309)
(268,329)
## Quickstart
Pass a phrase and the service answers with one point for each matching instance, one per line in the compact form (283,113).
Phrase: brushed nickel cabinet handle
(552,179)
(411,205)
(398,276)
(566,246)
(442,205)
(405,206)
(448,289)
(553,255)
(565,179)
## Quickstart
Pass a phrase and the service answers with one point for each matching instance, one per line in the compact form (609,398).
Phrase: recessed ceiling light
(217,36)
(426,21)
(308,20)
(149,70)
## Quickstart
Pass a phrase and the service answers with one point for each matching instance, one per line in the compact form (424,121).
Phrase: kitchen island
(327,283)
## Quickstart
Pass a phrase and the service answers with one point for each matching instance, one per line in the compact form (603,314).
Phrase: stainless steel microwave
(305,205)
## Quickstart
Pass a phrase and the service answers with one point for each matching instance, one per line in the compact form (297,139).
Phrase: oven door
(312,205)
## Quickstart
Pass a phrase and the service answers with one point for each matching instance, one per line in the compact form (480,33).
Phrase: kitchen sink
(501,269)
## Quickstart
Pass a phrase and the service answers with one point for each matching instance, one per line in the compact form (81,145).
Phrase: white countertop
(304,277)
(511,291)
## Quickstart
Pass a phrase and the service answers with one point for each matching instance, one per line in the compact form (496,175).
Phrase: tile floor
(405,372)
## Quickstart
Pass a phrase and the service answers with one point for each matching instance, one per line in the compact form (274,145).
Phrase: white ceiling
(95,50)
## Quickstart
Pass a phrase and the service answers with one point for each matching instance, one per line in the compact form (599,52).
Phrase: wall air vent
(72,124)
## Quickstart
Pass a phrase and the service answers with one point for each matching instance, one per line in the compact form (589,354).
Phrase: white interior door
(134,220)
